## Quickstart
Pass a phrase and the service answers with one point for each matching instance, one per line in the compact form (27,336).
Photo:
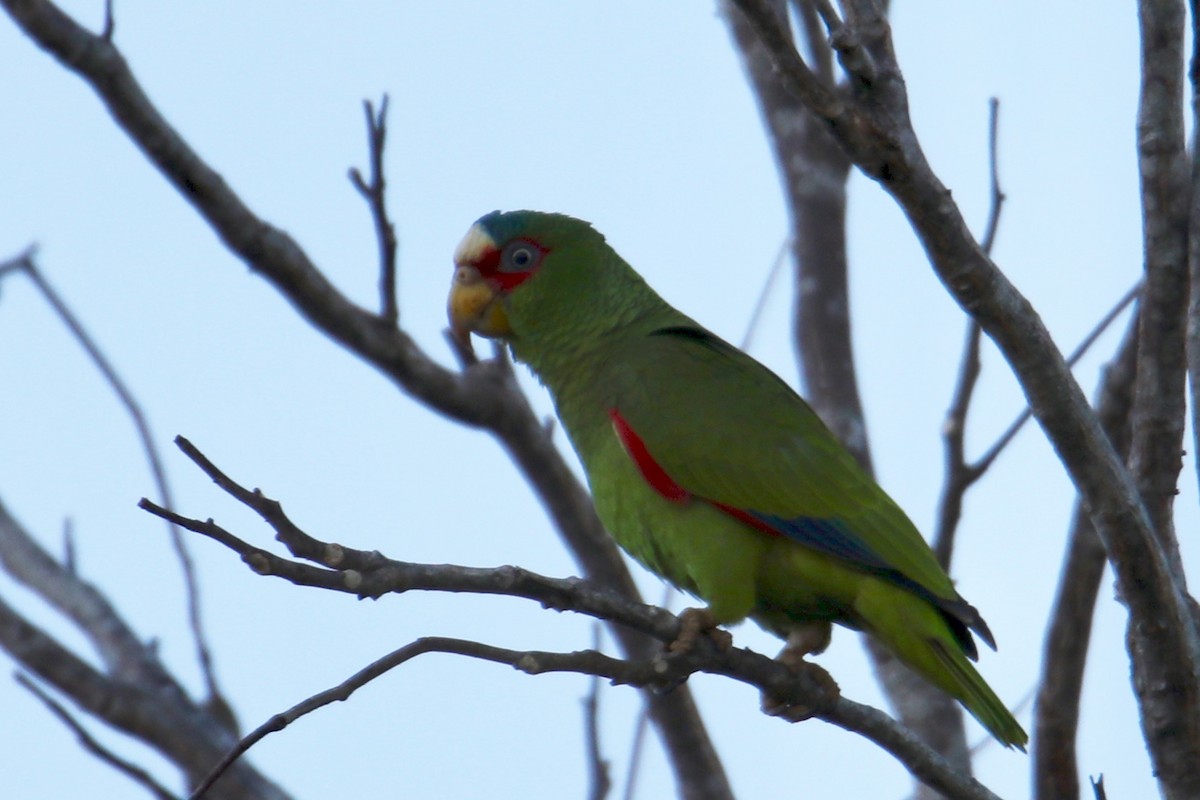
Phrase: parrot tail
(920,636)
(978,698)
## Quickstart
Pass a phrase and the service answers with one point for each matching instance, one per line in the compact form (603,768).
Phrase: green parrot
(705,466)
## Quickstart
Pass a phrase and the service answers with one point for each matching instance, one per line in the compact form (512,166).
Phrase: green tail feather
(978,698)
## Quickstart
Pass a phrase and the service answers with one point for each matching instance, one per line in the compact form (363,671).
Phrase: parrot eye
(520,256)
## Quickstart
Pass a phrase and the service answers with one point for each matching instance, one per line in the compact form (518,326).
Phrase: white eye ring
(522,257)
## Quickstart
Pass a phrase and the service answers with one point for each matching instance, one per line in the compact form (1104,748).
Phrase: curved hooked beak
(474,305)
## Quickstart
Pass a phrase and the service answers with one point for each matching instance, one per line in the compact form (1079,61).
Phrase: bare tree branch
(599,779)
(764,294)
(814,171)
(1171,727)
(483,395)
(1056,713)
(371,574)
(1193,316)
(374,192)
(1164,639)
(958,477)
(89,743)
(586,662)
(28,265)
(961,475)
(1156,457)
(133,693)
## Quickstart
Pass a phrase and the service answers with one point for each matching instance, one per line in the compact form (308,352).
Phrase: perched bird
(705,466)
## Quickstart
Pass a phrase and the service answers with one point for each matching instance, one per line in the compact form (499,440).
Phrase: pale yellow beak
(474,306)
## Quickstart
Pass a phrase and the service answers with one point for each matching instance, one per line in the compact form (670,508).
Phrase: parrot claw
(805,639)
(695,622)
(798,712)
(808,638)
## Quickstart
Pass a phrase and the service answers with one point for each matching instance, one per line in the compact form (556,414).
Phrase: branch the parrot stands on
(706,467)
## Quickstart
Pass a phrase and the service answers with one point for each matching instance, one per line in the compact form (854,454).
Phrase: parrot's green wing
(727,430)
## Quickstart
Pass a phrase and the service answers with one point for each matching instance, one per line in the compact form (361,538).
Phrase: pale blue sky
(635,116)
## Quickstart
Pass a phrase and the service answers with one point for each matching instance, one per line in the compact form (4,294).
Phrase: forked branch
(319,564)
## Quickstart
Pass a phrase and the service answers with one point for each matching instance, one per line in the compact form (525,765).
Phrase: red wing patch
(654,474)
(760,525)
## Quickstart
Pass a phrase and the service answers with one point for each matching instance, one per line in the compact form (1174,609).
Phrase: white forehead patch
(473,246)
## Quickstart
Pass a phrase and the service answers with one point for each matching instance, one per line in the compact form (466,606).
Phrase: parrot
(705,466)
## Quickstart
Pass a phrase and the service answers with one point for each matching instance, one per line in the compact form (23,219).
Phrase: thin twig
(776,36)
(480,397)
(998,196)
(599,779)
(958,475)
(110,22)
(961,475)
(69,561)
(374,192)
(371,574)
(587,662)
(1068,632)
(985,461)
(636,747)
(89,743)
(142,426)
(637,743)
(20,262)
(816,40)
(761,303)
(845,38)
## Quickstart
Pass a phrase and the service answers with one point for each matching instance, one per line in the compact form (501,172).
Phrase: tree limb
(963,475)
(27,264)
(1056,712)
(814,172)
(1168,688)
(374,191)
(483,396)
(1193,316)
(1164,642)
(371,574)
(89,743)
(959,476)
(133,693)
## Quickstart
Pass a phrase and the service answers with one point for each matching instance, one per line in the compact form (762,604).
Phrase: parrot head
(494,258)
(520,274)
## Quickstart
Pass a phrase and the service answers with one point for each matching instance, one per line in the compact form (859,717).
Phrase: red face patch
(511,265)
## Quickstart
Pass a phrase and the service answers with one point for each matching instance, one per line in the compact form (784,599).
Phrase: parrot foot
(697,622)
(804,639)
(807,638)
(798,712)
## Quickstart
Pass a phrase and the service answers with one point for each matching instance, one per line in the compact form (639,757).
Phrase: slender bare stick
(28,265)
(1081,349)
(959,476)
(637,743)
(374,192)
(484,396)
(764,294)
(89,743)
(599,779)
(1068,632)
(371,574)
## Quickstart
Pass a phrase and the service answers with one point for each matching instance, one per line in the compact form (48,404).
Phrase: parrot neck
(573,326)
(577,362)
(567,343)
